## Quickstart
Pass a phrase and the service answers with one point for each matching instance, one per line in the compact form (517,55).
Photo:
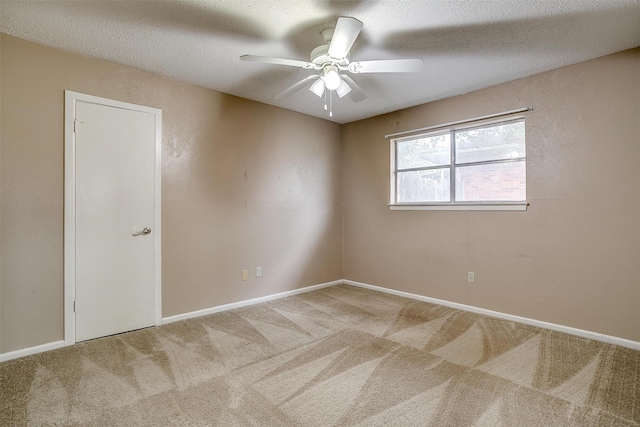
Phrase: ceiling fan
(332,60)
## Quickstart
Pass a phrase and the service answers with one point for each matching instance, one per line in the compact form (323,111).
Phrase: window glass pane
(497,142)
(434,150)
(492,182)
(431,185)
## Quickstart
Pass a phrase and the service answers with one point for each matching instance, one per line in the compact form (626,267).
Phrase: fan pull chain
(325,100)
(330,103)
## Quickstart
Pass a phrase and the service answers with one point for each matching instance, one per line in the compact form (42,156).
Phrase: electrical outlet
(471,277)
(258,271)
(245,275)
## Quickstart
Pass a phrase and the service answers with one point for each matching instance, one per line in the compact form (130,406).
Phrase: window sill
(490,206)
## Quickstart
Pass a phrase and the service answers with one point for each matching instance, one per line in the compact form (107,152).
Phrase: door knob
(144,232)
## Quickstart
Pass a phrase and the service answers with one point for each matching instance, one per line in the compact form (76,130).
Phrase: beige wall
(0,202)
(573,258)
(244,185)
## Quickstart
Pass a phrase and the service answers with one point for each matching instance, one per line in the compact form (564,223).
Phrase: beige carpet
(340,356)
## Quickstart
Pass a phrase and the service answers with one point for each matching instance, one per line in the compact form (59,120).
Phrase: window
(472,165)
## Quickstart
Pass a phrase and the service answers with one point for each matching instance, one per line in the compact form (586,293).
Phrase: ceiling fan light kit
(343,89)
(317,87)
(332,59)
(331,77)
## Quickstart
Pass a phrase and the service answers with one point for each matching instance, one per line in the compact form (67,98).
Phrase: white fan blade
(295,87)
(356,94)
(278,61)
(387,66)
(344,35)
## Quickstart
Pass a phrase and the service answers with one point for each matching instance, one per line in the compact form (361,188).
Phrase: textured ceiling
(465,44)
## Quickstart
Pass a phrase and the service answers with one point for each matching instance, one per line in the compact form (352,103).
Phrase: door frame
(71,98)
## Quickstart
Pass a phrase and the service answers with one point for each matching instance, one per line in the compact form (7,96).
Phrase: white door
(115,225)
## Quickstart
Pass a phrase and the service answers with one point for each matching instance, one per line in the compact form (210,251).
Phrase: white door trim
(70,206)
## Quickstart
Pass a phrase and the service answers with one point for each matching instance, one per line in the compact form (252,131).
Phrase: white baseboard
(59,344)
(231,306)
(31,350)
(622,342)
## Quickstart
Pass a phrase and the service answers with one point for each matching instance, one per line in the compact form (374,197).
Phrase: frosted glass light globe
(331,78)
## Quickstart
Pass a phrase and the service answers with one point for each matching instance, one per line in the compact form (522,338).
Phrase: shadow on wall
(253,185)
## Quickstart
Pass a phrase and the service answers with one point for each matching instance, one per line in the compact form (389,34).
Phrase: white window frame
(452,205)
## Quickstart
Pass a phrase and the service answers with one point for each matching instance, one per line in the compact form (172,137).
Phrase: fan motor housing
(320,56)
